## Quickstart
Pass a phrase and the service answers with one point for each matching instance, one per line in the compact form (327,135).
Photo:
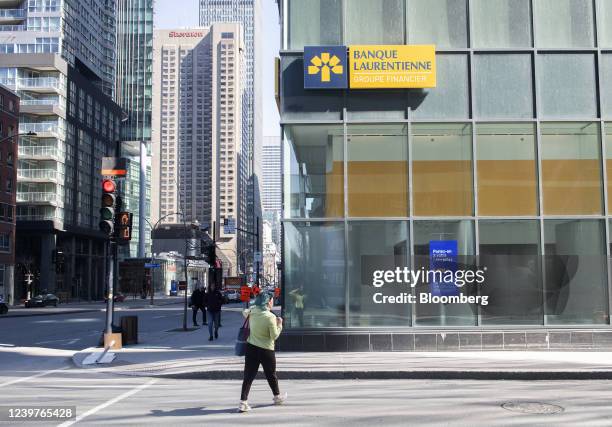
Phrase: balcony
(12,27)
(43,129)
(38,175)
(50,198)
(40,217)
(39,152)
(12,16)
(42,107)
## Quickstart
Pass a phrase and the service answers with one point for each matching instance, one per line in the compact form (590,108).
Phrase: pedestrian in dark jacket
(197,304)
(214,301)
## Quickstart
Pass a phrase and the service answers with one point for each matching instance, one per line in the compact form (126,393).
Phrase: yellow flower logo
(326,65)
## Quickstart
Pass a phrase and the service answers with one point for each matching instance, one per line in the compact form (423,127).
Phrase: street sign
(152,265)
(114,166)
(257,257)
(182,285)
(229,226)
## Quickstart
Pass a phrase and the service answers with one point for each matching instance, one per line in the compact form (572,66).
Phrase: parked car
(233,295)
(42,300)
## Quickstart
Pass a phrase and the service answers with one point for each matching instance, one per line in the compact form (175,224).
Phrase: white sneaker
(244,406)
(280,399)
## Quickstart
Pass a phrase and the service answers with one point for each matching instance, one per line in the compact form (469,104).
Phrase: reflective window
(439,22)
(450,99)
(442,169)
(314,261)
(503,86)
(507,172)
(571,169)
(575,272)
(606,84)
(313,169)
(298,103)
(564,23)
(374,22)
(510,252)
(567,85)
(314,23)
(501,23)
(608,142)
(376,104)
(377,171)
(461,234)
(604,26)
(376,246)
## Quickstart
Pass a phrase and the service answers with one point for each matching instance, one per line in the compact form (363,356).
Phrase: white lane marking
(108,403)
(42,374)
(69,341)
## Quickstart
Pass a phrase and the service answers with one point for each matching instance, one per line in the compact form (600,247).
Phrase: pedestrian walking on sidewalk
(265,327)
(197,304)
(214,301)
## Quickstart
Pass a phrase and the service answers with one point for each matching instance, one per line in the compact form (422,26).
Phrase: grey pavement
(189,355)
(78,307)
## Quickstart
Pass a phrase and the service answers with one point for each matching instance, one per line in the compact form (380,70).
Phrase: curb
(52,313)
(390,375)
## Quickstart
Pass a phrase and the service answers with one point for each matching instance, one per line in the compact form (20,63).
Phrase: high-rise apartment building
(248,13)
(271,185)
(199,171)
(133,93)
(59,58)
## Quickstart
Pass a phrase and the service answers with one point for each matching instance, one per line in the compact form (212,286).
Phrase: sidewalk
(190,355)
(88,307)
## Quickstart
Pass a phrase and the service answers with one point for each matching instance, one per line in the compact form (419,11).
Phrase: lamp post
(153,228)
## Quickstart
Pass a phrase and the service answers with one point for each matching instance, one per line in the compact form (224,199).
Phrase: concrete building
(59,58)
(134,93)
(199,169)
(9,125)
(248,14)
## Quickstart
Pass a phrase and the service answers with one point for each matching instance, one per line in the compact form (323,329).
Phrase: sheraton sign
(185,34)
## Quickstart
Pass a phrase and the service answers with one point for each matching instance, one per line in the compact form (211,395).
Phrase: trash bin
(129,329)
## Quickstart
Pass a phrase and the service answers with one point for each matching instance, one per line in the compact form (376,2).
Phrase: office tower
(271,185)
(59,58)
(134,94)
(197,168)
(247,13)
(9,124)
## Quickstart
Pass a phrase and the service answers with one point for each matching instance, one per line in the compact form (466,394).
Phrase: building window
(439,22)
(314,23)
(575,272)
(564,23)
(377,171)
(558,99)
(571,169)
(606,84)
(442,169)
(5,242)
(319,244)
(503,86)
(511,252)
(501,23)
(507,178)
(374,22)
(314,169)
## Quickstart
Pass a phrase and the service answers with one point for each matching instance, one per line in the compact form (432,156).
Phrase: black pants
(255,356)
(195,309)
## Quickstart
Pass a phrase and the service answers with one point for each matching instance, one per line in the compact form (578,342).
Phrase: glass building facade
(508,156)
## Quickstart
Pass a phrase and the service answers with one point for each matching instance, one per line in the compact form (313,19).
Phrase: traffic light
(210,253)
(123,225)
(109,204)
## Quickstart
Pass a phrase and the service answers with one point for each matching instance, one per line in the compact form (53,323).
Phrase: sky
(169,15)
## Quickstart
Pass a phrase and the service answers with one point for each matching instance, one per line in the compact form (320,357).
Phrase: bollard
(129,329)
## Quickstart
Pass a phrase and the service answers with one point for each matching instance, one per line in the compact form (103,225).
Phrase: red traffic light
(109,186)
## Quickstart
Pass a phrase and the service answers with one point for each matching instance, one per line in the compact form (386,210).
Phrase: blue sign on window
(325,67)
(443,258)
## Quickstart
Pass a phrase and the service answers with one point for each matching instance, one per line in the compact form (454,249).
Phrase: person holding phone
(265,328)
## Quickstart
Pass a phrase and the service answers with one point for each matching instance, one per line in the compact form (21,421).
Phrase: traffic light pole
(112,250)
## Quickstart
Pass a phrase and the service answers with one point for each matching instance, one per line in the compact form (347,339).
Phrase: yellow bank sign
(392,67)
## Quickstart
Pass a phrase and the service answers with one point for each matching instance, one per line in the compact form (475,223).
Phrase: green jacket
(264,330)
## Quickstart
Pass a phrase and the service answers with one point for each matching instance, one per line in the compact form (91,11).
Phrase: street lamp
(153,228)
(18,135)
